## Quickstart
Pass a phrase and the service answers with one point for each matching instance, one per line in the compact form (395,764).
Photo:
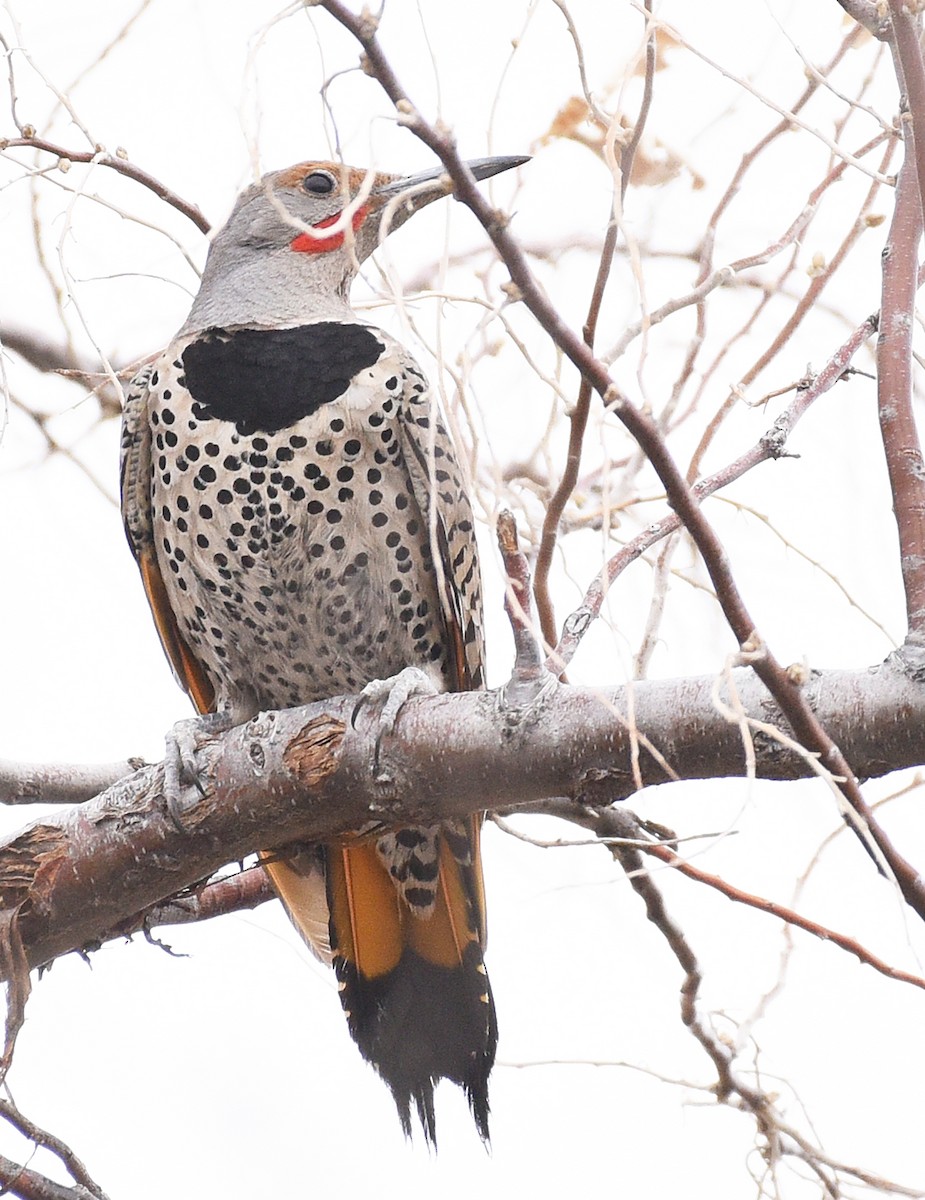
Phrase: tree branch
(101,157)
(59,359)
(58,783)
(73,878)
(27,1184)
(894,390)
(233,893)
(21,1181)
(910,74)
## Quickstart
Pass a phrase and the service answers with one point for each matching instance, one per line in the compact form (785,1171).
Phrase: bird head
(297,237)
(322,207)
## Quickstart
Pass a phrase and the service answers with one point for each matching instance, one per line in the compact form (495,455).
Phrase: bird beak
(430,185)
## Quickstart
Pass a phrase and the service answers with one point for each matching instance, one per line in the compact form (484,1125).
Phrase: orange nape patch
(306,244)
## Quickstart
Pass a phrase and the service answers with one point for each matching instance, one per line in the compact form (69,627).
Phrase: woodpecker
(294,504)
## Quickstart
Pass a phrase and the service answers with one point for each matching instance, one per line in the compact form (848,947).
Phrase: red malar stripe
(306,244)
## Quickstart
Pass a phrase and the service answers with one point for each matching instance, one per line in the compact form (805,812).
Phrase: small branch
(59,359)
(578,423)
(47,356)
(42,423)
(621,832)
(628,155)
(86,1186)
(769,446)
(719,1053)
(245,890)
(100,157)
(528,659)
(730,1087)
(783,913)
(578,418)
(753,155)
(810,297)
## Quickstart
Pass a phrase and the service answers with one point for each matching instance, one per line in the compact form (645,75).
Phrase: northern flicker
(294,503)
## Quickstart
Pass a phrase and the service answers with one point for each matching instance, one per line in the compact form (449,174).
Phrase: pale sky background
(229,1072)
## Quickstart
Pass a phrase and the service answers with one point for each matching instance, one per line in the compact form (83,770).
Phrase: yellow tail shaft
(413,986)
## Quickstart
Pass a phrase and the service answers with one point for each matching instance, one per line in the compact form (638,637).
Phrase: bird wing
(442,495)
(135,478)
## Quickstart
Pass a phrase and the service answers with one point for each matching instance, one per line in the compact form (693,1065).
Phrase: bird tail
(413,985)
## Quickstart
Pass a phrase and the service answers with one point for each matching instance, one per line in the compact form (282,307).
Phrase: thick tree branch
(58,783)
(74,878)
(894,371)
(910,74)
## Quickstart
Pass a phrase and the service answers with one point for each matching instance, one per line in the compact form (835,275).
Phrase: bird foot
(184,773)
(394,691)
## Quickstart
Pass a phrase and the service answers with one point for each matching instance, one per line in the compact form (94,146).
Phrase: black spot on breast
(267,379)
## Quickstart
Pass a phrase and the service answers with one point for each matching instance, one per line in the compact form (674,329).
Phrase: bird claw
(184,776)
(394,691)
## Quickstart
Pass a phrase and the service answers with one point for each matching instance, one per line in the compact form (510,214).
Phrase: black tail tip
(422,1098)
(421,1023)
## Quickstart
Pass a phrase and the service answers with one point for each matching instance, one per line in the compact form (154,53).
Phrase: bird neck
(277,288)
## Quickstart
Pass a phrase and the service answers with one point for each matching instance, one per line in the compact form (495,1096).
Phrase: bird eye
(319,183)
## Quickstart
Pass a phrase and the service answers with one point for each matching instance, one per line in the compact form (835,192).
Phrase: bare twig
(101,157)
(578,418)
(41,421)
(807,301)
(788,915)
(769,446)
